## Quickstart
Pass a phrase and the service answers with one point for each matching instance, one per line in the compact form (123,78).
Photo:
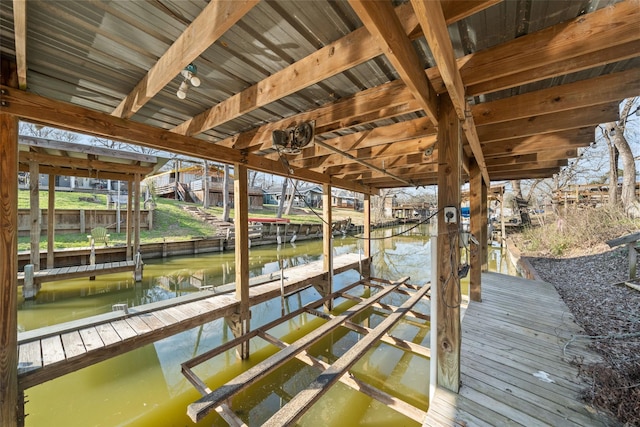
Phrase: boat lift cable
(289,170)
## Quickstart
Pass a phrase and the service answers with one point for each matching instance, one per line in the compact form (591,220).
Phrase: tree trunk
(613,169)
(291,197)
(225,194)
(283,197)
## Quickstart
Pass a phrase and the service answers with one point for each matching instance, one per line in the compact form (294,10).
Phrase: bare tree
(291,198)
(614,133)
(283,197)
(30,129)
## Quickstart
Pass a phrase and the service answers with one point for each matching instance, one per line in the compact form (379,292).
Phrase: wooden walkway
(513,368)
(47,353)
(66,273)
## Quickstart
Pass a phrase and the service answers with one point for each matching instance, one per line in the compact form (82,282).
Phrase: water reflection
(145,386)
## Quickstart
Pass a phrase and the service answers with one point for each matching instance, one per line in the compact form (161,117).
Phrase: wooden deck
(513,369)
(48,353)
(66,273)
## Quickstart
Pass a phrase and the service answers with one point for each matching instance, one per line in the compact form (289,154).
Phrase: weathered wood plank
(72,343)
(292,411)
(206,404)
(91,339)
(52,350)
(30,356)
(501,353)
(123,329)
(138,325)
(108,334)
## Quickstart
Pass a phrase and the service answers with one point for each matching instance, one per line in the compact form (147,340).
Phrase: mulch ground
(609,313)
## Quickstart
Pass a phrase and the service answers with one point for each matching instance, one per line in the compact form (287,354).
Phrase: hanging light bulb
(182,90)
(189,74)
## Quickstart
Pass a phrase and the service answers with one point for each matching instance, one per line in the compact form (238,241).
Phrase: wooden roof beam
(386,28)
(214,20)
(20,37)
(387,100)
(353,49)
(555,47)
(530,174)
(435,31)
(571,138)
(79,119)
(561,67)
(530,167)
(585,93)
(79,163)
(549,123)
(82,173)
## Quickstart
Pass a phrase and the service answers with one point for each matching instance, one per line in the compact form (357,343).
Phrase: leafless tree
(614,134)
(283,197)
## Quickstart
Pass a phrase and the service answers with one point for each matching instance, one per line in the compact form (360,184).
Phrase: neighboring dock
(515,369)
(66,273)
(47,353)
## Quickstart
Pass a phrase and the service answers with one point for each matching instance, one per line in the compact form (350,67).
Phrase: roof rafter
(435,31)
(214,20)
(65,116)
(20,37)
(383,23)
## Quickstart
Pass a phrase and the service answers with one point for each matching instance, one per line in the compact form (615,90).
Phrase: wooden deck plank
(512,335)
(91,338)
(73,345)
(29,356)
(72,272)
(123,329)
(52,350)
(108,334)
(151,321)
(173,319)
(138,325)
(164,316)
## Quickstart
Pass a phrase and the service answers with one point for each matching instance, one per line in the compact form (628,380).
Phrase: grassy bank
(577,231)
(170,221)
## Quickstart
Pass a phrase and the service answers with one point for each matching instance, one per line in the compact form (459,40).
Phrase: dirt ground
(609,313)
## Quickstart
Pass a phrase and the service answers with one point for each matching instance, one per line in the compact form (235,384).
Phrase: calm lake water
(146,388)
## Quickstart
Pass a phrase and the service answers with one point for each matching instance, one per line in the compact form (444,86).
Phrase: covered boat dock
(358,95)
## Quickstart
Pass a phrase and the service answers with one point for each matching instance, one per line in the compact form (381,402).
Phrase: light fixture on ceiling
(189,75)
(292,140)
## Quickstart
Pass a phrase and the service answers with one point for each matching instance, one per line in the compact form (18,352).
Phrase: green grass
(64,200)
(170,222)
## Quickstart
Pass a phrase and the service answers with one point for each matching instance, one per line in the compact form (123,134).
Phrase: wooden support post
(129,221)
(29,289)
(9,396)
(83,222)
(633,260)
(51,222)
(327,245)
(92,254)
(136,207)
(476,255)
(366,269)
(241,204)
(34,213)
(449,295)
(484,227)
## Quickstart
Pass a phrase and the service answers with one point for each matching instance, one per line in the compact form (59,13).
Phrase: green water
(146,388)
